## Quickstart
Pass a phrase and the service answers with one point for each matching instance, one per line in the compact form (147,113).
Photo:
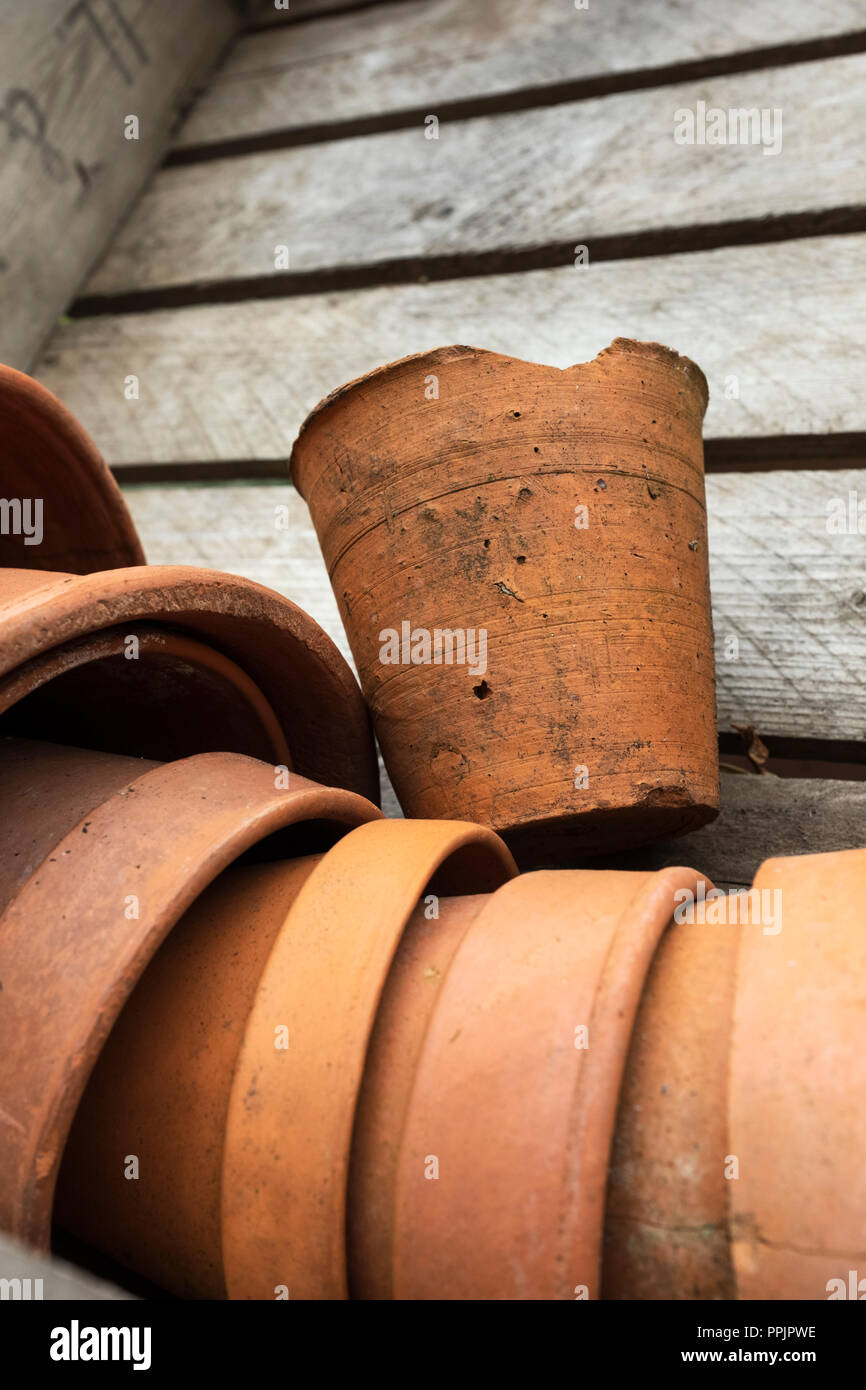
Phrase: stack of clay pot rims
(259,1042)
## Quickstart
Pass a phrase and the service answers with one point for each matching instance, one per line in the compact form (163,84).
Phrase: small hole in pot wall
(482,690)
(520,559)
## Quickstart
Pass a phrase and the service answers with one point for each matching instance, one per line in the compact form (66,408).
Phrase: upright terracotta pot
(487,1111)
(49,464)
(222,664)
(519,554)
(243,1142)
(117,851)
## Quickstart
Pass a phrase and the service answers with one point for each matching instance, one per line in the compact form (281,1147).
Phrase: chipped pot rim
(454,352)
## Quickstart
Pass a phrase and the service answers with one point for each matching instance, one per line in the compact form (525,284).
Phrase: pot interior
(141,691)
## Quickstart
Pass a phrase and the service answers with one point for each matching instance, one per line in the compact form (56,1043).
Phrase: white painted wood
(791,592)
(776,328)
(497,185)
(395,57)
(70,75)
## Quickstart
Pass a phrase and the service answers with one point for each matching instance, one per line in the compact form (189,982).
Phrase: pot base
(562,840)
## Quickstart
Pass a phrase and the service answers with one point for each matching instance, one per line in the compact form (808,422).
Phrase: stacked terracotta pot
(259,1042)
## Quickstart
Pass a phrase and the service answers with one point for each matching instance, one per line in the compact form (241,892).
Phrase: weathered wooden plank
(70,77)
(789,594)
(762,817)
(776,328)
(49,1277)
(494,187)
(281,12)
(399,57)
(788,566)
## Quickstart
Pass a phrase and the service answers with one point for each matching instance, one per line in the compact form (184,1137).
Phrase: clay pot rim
(315,1149)
(95,646)
(200,851)
(453,352)
(185,599)
(95,482)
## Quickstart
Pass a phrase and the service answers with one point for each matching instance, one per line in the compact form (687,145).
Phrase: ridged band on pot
(422,959)
(666,1216)
(519,554)
(289,660)
(796,1113)
(286,1226)
(513,1096)
(77,935)
(50,466)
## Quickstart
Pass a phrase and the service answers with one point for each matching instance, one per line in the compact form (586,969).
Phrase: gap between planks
(667,241)
(497,193)
(461,59)
(520,99)
(789,595)
(224,389)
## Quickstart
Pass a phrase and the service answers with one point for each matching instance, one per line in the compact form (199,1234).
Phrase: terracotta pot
(486,1116)
(224,664)
(589,720)
(739,1160)
(244,1146)
(77,933)
(796,1117)
(46,457)
(422,960)
(160,1088)
(666,1220)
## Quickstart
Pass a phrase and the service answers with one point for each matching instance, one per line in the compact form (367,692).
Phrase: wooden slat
(398,57)
(497,186)
(760,818)
(70,74)
(265,12)
(780,324)
(59,1279)
(791,593)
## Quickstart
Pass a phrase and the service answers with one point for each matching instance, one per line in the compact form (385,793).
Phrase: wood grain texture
(60,1280)
(70,74)
(396,57)
(263,13)
(760,818)
(791,592)
(779,324)
(494,186)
